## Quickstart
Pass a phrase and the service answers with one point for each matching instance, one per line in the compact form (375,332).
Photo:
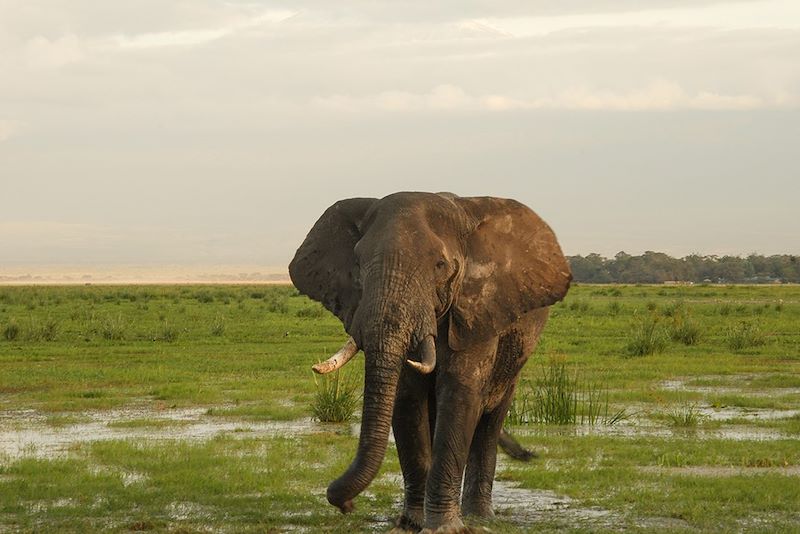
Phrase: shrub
(11,331)
(647,336)
(336,398)
(744,335)
(614,308)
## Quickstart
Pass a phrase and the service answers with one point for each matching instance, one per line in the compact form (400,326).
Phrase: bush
(614,308)
(336,398)
(647,336)
(11,331)
(744,335)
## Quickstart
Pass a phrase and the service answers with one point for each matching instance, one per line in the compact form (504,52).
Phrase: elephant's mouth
(425,365)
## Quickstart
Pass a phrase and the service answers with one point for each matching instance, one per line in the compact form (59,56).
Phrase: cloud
(42,52)
(201,36)
(656,96)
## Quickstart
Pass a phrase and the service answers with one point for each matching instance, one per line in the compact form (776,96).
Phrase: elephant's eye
(440,264)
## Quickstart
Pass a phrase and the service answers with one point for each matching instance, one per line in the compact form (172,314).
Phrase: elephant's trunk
(380,385)
(386,327)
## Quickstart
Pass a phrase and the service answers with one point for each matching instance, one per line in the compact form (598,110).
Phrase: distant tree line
(657,267)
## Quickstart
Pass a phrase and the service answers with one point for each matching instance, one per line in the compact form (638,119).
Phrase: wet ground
(30,433)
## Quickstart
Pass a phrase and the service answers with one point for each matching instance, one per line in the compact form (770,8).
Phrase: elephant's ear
(513,265)
(325,267)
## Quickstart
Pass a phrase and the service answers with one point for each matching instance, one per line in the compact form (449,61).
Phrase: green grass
(243,354)
(336,398)
(647,335)
(745,335)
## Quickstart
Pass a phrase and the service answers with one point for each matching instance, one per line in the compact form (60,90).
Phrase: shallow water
(682,385)
(26,432)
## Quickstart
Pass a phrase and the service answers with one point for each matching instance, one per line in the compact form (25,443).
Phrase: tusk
(336,361)
(427,351)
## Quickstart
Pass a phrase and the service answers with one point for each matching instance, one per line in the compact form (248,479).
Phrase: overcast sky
(196,131)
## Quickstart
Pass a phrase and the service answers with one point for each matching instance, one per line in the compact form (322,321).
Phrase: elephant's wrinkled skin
(471,276)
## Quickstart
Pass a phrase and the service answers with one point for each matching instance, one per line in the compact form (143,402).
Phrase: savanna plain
(192,409)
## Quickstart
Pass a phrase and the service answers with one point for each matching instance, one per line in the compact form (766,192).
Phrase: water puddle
(26,432)
(681,384)
(644,428)
(524,506)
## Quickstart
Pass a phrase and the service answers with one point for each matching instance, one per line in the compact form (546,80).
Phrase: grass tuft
(684,329)
(11,331)
(336,398)
(113,329)
(311,311)
(685,416)
(647,336)
(218,326)
(744,335)
(560,397)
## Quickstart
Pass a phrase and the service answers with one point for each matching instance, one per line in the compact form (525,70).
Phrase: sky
(213,133)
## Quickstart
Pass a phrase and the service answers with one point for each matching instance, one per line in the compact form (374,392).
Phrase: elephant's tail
(511,447)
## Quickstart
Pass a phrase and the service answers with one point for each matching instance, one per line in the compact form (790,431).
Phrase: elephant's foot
(409,521)
(456,529)
(449,523)
(478,508)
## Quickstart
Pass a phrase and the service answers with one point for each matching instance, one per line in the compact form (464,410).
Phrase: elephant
(447,297)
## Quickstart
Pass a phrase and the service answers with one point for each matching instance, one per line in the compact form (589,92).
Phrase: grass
(560,396)
(685,416)
(257,370)
(336,398)
(744,335)
(647,336)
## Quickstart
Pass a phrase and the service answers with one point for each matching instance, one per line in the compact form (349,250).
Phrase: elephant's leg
(482,461)
(412,436)
(458,411)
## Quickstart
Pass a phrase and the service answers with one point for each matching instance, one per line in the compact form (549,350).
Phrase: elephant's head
(395,268)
